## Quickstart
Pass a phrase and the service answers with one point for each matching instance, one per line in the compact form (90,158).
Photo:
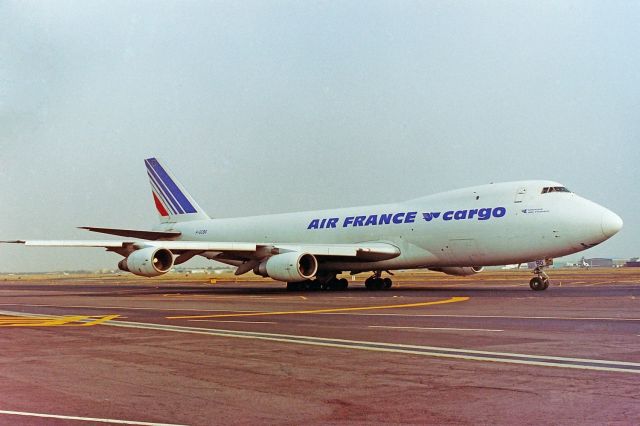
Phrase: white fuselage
(494,224)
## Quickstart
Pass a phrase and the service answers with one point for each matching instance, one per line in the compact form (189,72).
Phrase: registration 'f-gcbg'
(456,232)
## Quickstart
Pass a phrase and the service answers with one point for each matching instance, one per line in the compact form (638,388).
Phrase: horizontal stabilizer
(133,233)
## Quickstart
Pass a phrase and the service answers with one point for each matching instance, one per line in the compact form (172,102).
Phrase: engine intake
(148,262)
(289,267)
(461,271)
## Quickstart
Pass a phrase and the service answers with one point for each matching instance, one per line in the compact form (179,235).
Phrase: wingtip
(13,242)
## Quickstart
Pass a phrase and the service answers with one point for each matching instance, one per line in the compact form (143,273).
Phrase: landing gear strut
(376,282)
(540,281)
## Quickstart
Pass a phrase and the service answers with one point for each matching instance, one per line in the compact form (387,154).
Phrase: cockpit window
(548,189)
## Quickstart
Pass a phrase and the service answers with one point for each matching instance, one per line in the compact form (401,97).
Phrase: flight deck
(212,349)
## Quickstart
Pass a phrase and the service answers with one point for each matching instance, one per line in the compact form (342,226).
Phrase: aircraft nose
(611,223)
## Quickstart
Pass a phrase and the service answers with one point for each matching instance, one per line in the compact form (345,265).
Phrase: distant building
(600,262)
(634,262)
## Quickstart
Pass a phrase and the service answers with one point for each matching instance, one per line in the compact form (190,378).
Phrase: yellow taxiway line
(324,311)
(45,321)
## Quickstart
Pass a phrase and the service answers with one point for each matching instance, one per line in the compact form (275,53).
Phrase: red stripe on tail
(159,206)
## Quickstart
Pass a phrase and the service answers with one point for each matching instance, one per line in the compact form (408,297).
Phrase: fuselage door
(520,194)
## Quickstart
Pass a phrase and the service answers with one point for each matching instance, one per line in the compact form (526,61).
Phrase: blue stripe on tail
(160,193)
(164,191)
(181,199)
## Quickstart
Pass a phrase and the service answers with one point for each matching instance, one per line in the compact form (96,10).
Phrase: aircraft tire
(293,286)
(537,284)
(343,284)
(368,283)
(315,285)
(387,283)
(546,283)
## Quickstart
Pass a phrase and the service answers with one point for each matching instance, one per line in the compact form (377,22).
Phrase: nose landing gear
(540,281)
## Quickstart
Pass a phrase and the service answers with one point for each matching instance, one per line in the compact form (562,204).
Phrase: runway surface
(433,349)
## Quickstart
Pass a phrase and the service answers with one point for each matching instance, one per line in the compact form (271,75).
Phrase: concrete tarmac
(432,350)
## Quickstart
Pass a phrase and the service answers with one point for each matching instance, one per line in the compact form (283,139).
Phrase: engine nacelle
(148,262)
(289,267)
(461,271)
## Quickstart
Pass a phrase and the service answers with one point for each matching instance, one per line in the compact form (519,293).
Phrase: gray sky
(274,106)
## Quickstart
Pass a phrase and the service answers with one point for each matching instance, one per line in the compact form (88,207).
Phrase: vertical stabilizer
(173,202)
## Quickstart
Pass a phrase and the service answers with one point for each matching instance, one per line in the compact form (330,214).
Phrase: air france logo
(406,217)
(373,219)
(430,216)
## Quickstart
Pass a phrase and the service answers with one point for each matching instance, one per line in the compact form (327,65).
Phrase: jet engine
(461,271)
(148,262)
(289,267)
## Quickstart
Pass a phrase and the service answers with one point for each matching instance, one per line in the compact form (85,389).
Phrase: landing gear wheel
(541,280)
(376,282)
(373,283)
(538,284)
(546,283)
(315,285)
(368,283)
(293,286)
(343,284)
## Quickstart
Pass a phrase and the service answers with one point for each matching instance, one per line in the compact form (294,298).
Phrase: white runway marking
(435,328)
(429,351)
(84,419)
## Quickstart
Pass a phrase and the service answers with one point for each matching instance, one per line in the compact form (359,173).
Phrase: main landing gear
(326,282)
(376,282)
(540,281)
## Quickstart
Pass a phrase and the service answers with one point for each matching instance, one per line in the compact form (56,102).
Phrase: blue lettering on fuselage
(362,220)
(477,214)
(399,218)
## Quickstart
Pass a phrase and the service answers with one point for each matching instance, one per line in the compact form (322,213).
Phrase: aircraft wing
(368,251)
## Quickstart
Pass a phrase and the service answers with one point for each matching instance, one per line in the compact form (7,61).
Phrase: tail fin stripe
(166,206)
(164,192)
(160,192)
(161,209)
(172,201)
(173,188)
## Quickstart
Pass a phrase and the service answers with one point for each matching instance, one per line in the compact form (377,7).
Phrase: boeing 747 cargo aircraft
(456,232)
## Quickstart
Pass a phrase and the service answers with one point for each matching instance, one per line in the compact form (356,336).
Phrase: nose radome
(611,223)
